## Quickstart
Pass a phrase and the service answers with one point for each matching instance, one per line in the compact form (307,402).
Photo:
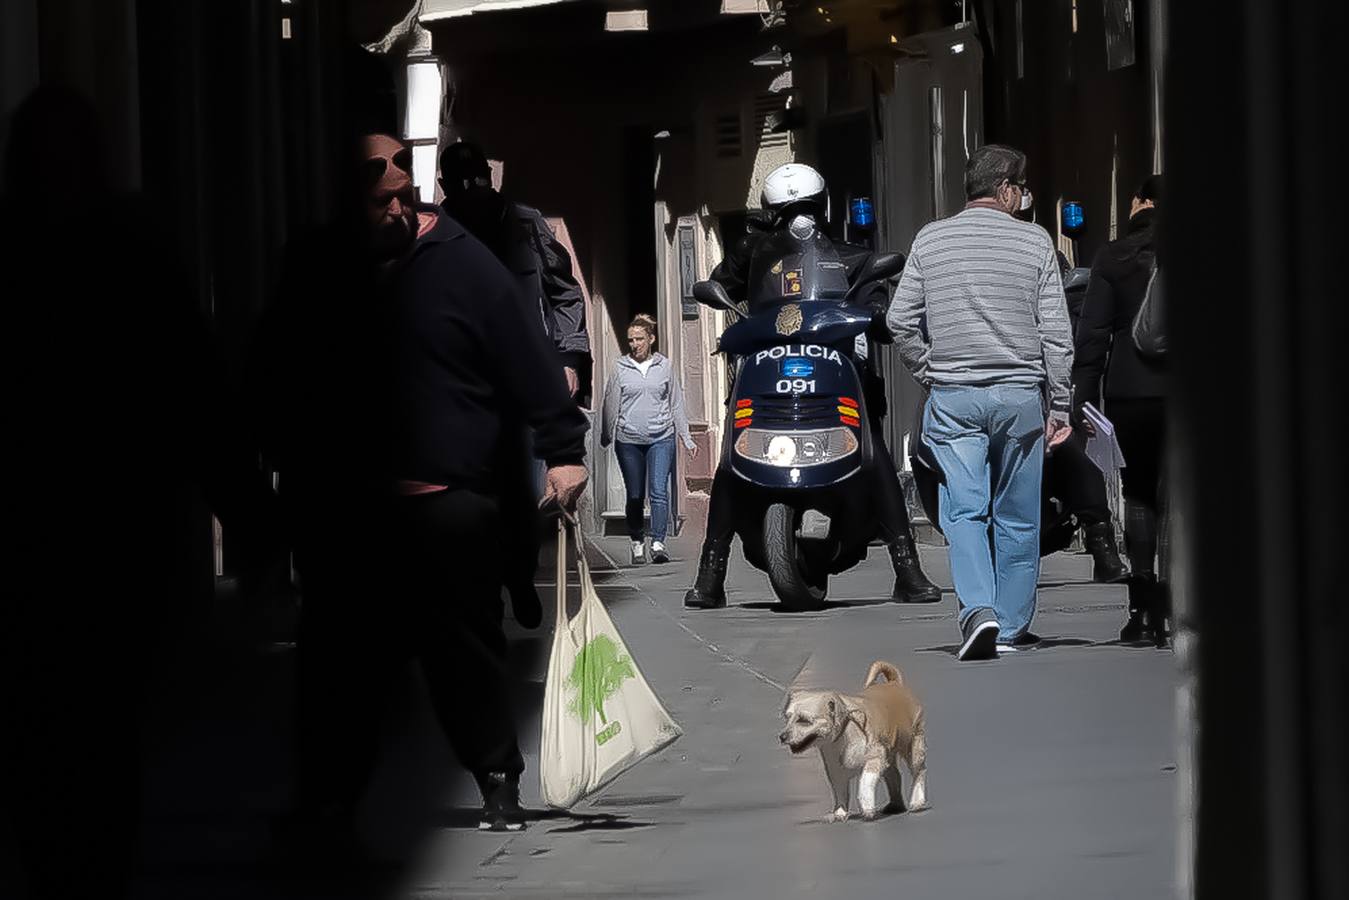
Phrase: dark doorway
(639,203)
(843,149)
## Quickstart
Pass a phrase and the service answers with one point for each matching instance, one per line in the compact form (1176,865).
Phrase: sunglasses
(374,169)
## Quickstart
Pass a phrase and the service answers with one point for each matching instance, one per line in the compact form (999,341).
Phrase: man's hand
(1057,430)
(573,380)
(564,485)
(693,451)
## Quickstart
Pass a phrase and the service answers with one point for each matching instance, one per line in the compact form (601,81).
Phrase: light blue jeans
(990,445)
(647,466)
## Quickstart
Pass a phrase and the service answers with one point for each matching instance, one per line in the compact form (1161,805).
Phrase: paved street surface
(1051,772)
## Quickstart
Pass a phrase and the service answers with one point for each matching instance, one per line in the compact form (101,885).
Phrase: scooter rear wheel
(794,589)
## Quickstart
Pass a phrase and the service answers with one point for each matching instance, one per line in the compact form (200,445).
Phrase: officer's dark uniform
(911,585)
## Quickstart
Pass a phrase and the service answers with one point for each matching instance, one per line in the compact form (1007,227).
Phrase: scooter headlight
(781,451)
(796,448)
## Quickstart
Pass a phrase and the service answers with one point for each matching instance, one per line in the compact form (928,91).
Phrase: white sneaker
(659,553)
(638,553)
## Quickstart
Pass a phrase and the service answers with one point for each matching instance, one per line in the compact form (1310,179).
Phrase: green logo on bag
(599,671)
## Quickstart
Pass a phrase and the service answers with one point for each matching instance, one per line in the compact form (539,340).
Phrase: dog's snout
(785,737)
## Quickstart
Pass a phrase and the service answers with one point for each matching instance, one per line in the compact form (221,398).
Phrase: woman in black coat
(1110,373)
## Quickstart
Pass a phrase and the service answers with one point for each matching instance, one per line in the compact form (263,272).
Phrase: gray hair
(989,167)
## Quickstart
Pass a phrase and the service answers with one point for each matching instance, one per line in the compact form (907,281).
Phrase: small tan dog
(867,734)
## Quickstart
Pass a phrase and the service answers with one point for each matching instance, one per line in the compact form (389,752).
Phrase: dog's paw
(870,815)
(838,815)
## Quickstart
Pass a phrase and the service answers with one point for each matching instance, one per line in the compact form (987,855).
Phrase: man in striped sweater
(980,319)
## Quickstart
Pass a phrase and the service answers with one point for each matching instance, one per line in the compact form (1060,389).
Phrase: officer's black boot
(709,588)
(911,585)
(1106,566)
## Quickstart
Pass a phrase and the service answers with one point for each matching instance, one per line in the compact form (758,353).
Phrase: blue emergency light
(1074,217)
(797,367)
(863,215)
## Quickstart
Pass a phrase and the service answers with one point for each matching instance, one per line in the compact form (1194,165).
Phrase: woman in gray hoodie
(643,410)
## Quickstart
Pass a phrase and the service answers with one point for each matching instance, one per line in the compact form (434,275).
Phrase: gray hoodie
(643,409)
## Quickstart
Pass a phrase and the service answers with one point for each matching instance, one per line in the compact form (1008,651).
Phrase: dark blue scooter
(797,434)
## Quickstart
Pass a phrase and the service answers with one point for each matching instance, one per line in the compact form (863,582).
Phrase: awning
(437,10)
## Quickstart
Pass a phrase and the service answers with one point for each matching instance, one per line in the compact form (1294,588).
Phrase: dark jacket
(414,377)
(520,237)
(733,271)
(1106,361)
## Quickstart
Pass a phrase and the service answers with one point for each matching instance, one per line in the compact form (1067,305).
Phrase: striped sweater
(981,303)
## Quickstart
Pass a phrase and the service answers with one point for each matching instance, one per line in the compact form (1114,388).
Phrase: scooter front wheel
(794,589)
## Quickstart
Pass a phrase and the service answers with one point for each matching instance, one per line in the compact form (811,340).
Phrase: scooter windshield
(789,269)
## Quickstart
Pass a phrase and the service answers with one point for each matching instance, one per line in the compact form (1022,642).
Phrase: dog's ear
(838,715)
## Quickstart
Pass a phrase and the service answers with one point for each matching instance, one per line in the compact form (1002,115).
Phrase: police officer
(795,194)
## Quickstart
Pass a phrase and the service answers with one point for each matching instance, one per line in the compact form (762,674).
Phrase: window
(726,134)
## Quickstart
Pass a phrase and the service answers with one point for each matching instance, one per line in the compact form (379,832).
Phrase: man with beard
(385,396)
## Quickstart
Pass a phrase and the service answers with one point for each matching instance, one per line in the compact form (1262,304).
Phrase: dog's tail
(883,668)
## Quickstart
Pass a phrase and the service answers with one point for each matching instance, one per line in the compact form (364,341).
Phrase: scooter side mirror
(878,267)
(711,293)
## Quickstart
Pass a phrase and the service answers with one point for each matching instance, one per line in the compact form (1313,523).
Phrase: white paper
(1102,447)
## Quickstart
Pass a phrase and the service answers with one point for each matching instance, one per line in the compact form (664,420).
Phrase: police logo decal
(789,320)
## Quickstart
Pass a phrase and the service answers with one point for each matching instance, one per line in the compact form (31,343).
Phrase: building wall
(1088,129)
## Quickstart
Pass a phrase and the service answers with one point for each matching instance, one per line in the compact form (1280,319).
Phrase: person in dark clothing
(117,416)
(521,239)
(385,397)
(1073,485)
(911,585)
(1109,367)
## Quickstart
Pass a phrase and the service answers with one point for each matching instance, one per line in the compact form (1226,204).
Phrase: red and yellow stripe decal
(848,414)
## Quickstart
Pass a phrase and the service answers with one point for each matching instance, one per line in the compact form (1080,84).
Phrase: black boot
(1141,591)
(1159,613)
(1106,566)
(709,588)
(911,585)
(500,802)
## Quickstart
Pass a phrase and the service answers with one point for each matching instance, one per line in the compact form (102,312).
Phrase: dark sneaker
(979,637)
(501,803)
(658,552)
(1028,640)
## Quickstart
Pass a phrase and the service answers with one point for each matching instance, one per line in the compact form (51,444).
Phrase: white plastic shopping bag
(600,718)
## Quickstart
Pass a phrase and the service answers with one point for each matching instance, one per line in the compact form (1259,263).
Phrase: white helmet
(795,183)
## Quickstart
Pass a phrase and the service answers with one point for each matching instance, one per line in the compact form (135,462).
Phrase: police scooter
(796,435)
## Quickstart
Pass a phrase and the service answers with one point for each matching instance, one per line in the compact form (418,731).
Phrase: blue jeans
(646,465)
(989,443)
